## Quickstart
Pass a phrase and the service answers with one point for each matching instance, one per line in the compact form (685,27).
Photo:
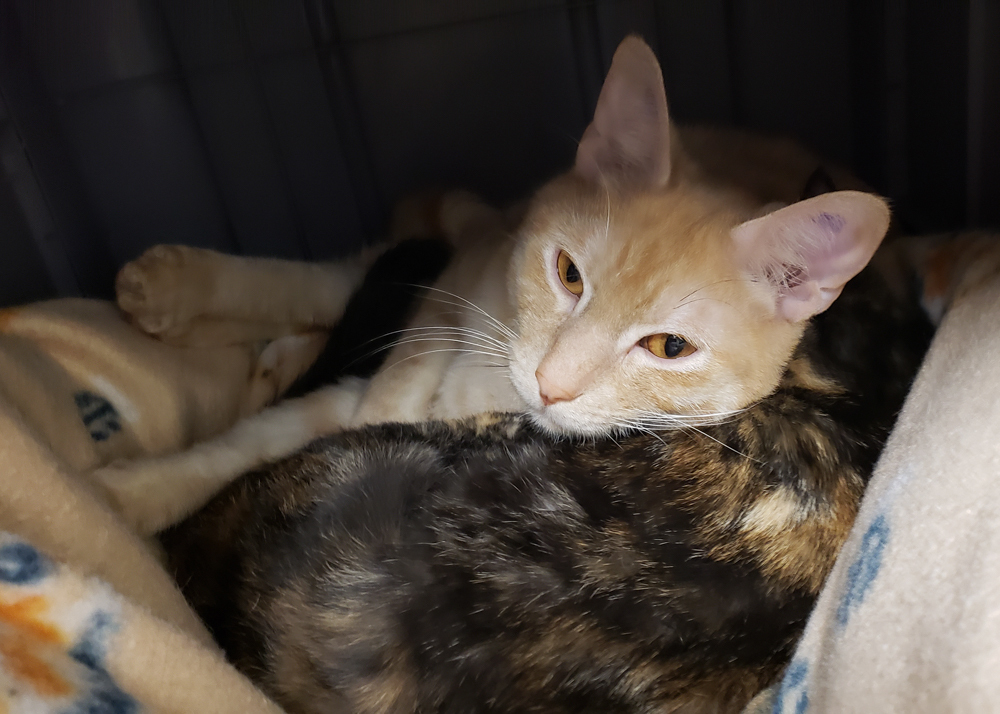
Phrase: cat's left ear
(809,250)
(629,138)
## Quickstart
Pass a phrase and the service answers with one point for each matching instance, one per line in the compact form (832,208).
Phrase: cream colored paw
(165,288)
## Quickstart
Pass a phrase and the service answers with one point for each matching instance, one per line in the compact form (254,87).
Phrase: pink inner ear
(810,249)
(629,138)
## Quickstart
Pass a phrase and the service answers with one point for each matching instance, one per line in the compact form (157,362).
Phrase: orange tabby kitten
(652,285)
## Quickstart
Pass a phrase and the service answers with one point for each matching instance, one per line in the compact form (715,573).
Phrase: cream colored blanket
(89,620)
(909,620)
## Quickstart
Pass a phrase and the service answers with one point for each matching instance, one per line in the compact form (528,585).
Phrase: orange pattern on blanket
(24,635)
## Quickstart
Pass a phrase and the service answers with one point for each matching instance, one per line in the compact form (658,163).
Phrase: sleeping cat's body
(668,246)
(489,566)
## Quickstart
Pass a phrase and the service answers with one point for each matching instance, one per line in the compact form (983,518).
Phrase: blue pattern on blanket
(864,569)
(21,564)
(98,414)
(793,696)
(104,695)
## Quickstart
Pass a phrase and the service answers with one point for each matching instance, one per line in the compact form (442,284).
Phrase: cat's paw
(164,289)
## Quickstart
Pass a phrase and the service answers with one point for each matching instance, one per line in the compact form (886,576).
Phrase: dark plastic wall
(290,127)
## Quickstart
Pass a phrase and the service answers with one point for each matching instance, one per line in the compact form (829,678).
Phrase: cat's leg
(169,287)
(449,332)
(216,332)
(197,296)
(405,390)
(405,387)
(154,493)
(411,387)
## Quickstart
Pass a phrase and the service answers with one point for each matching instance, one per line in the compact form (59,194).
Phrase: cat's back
(483,568)
(770,168)
(318,574)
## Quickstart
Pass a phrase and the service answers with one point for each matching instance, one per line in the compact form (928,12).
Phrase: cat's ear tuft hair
(629,138)
(809,250)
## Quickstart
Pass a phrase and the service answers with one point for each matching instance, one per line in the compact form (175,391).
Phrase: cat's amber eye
(569,274)
(666,346)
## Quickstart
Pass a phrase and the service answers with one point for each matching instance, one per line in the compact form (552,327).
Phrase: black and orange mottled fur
(484,566)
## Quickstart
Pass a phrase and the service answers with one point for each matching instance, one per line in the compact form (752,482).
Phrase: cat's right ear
(808,251)
(629,138)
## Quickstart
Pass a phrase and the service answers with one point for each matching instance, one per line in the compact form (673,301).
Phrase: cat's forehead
(645,242)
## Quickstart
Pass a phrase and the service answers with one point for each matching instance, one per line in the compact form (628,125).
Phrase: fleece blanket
(89,619)
(72,644)
(96,389)
(909,619)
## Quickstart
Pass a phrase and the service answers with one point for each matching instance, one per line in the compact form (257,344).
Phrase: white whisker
(444,333)
(471,331)
(506,331)
(452,340)
(445,349)
(465,304)
(477,349)
(649,422)
(702,418)
(607,225)
(725,445)
(709,285)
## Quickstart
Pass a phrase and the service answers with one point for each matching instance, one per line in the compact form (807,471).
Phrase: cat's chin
(562,424)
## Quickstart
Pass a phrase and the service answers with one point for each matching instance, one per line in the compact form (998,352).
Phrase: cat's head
(646,297)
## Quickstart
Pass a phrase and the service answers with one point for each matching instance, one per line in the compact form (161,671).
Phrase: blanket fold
(89,619)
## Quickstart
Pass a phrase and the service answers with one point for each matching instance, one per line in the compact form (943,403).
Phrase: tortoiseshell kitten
(488,566)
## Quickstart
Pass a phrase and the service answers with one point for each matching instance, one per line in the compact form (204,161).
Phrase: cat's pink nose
(552,393)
